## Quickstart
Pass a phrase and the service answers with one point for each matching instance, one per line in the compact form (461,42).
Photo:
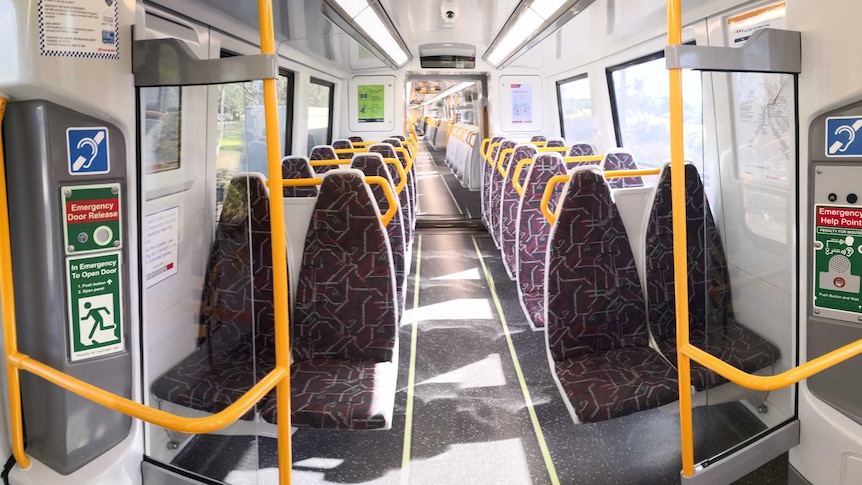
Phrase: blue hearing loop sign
(841,136)
(89,151)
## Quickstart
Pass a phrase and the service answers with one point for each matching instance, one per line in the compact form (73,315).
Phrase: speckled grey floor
(470,421)
(434,179)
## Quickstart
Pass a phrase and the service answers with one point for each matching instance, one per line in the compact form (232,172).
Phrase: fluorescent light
(523,28)
(449,92)
(370,22)
(546,8)
(352,7)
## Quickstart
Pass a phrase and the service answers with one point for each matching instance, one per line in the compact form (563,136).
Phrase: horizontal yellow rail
(373,179)
(206,424)
(332,161)
(545,149)
(546,197)
(407,156)
(516,177)
(502,159)
(615,174)
(389,161)
(348,151)
(583,159)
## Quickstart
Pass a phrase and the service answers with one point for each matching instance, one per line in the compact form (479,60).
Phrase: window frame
(567,80)
(331,86)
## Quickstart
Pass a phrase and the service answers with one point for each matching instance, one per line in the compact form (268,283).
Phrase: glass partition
(320,103)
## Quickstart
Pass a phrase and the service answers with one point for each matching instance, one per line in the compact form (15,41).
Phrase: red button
(839,282)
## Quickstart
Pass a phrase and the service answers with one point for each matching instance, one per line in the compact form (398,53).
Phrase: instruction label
(838,258)
(161,245)
(94,300)
(79,28)
(91,218)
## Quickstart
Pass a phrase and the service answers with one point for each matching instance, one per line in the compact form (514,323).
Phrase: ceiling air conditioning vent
(447,55)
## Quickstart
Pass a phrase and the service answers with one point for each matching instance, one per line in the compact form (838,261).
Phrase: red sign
(85,211)
(840,217)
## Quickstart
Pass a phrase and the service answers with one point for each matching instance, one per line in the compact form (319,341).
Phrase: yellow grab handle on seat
(502,159)
(401,173)
(387,191)
(612,174)
(544,149)
(407,156)
(484,148)
(539,144)
(341,151)
(325,163)
(546,197)
(584,159)
(517,175)
(491,152)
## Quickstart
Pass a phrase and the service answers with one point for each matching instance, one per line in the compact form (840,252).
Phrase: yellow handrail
(484,147)
(501,157)
(490,152)
(546,197)
(407,156)
(584,159)
(343,161)
(343,151)
(279,249)
(614,174)
(516,177)
(545,149)
(371,179)
(331,161)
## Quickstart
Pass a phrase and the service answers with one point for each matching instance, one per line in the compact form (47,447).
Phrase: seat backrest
(346,298)
(555,142)
(343,145)
(237,300)
(384,149)
(495,197)
(582,149)
(594,297)
(533,228)
(371,164)
(395,142)
(355,139)
(708,277)
(536,138)
(293,167)
(621,159)
(399,137)
(323,152)
(509,205)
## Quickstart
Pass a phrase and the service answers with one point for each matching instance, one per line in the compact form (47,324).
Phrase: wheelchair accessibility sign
(842,136)
(88,151)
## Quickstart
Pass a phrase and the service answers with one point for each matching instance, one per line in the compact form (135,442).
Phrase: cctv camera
(449,11)
(450,14)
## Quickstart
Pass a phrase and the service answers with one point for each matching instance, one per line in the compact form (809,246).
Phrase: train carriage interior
(430,242)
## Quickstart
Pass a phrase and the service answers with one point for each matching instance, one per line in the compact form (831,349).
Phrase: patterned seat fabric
(509,199)
(399,137)
(345,315)
(533,232)
(621,160)
(555,143)
(538,138)
(411,175)
(323,152)
(237,314)
(387,151)
(371,164)
(486,180)
(343,145)
(297,168)
(495,198)
(596,319)
(712,324)
(582,149)
(355,139)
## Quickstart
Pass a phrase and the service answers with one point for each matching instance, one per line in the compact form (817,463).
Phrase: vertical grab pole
(279,247)
(10,332)
(680,259)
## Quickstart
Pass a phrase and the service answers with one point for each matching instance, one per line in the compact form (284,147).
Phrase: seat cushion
(339,394)
(614,383)
(534,308)
(730,342)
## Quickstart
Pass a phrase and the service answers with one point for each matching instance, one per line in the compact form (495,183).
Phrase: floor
(476,403)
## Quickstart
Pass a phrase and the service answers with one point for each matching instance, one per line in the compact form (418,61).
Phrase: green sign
(91,218)
(371,103)
(838,258)
(94,299)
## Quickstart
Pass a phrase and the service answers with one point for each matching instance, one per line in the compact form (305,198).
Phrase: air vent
(447,55)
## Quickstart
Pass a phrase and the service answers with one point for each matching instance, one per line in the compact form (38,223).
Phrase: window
(163,114)
(639,101)
(320,101)
(576,109)
(242,129)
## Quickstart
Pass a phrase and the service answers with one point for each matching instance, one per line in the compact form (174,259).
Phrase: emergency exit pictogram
(94,299)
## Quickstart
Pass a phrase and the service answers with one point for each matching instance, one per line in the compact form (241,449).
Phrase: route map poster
(371,103)
(522,103)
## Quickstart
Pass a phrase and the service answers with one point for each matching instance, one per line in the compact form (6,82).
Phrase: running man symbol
(94,329)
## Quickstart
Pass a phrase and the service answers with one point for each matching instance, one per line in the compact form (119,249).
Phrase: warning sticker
(94,299)
(838,258)
(79,28)
(91,218)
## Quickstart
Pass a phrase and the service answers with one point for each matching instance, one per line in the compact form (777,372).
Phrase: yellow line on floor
(445,184)
(540,437)
(411,373)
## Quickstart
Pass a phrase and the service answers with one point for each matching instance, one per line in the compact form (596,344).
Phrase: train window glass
(242,129)
(163,114)
(576,109)
(639,100)
(320,103)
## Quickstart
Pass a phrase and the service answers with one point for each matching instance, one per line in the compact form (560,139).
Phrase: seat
(387,151)
(345,332)
(509,208)
(596,315)
(555,142)
(495,196)
(237,314)
(532,235)
(355,139)
(621,159)
(581,149)
(538,139)
(487,167)
(411,174)
(712,324)
(343,145)
(399,137)
(371,164)
(323,152)
(293,167)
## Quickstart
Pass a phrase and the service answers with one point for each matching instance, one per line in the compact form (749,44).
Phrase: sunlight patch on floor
(487,372)
(458,309)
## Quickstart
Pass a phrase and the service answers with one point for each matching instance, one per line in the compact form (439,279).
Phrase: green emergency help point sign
(91,218)
(838,258)
(94,299)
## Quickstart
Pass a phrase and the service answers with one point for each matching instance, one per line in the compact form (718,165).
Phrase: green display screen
(371,103)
